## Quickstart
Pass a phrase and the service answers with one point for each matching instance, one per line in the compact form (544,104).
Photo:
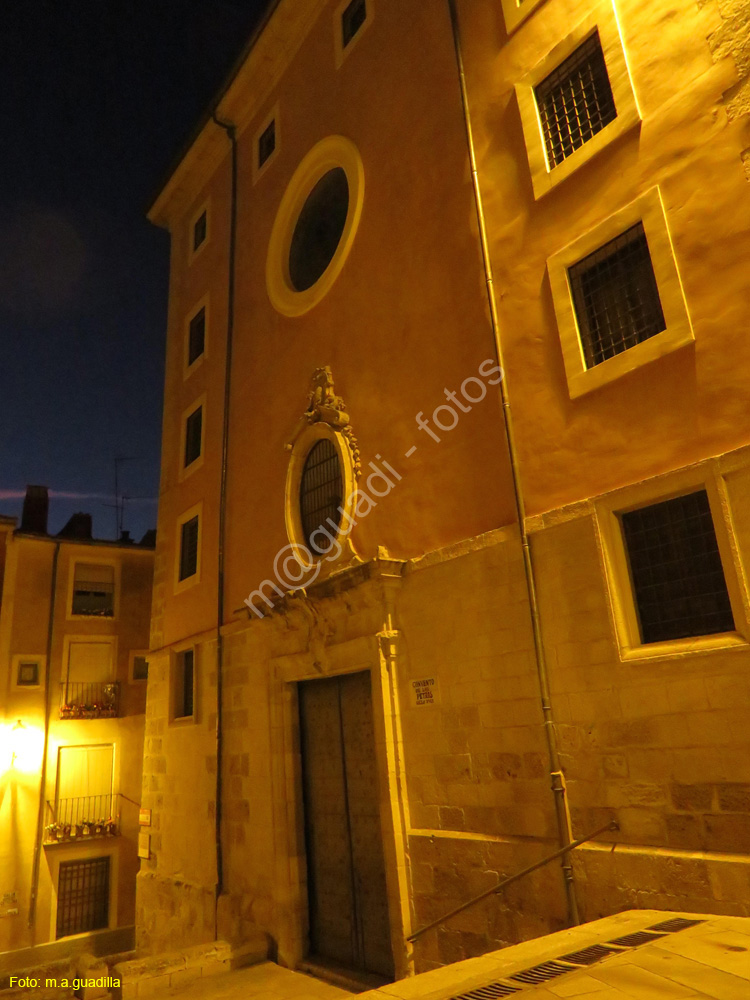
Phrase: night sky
(99,97)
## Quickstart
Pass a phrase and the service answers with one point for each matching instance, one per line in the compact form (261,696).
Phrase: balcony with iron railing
(83,818)
(89,700)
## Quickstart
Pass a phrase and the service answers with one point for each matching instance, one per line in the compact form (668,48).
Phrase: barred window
(266,143)
(321,495)
(193,436)
(82,896)
(197,336)
(615,297)
(352,19)
(676,570)
(189,548)
(575,101)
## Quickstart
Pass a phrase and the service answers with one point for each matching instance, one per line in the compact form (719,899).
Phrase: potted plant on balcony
(109,700)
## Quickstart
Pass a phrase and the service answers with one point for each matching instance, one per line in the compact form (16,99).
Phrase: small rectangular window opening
(200,228)
(676,570)
(140,668)
(575,101)
(266,143)
(189,548)
(615,297)
(193,434)
(94,590)
(28,673)
(197,336)
(184,680)
(352,19)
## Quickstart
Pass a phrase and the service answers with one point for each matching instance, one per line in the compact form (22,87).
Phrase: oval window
(319,229)
(315,225)
(321,495)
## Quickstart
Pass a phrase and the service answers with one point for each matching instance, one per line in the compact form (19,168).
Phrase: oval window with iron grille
(321,495)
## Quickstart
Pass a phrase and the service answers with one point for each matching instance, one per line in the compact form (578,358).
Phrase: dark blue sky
(98,98)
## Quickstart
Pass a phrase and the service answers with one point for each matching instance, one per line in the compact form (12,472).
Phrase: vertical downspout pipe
(231,132)
(43,779)
(557,779)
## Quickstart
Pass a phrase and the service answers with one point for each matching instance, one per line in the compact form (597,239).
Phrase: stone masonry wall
(175,895)
(477,764)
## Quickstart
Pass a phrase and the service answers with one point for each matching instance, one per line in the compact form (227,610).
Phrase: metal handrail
(612,825)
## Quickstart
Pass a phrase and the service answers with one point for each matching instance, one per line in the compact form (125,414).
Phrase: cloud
(43,262)
(68,495)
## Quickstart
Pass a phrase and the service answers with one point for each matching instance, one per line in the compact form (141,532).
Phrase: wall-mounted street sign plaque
(424,691)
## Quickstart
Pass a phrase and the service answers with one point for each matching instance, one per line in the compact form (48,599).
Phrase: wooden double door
(349,923)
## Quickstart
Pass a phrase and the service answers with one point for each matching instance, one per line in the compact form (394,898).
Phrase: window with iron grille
(615,297)
(184,682)
(197,336)
(189,548)
(94,590)
(200,229)
(676,571)
(266,143)
(193,436)
(575,101)
(82,896)
(321,495)
(352,19)
(28,673)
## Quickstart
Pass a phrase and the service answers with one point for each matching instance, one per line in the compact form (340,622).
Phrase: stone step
(151,975)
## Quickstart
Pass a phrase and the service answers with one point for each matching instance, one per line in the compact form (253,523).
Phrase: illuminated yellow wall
(681,408)
(24,630)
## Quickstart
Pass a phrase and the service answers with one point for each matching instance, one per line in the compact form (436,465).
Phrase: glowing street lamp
(25,746)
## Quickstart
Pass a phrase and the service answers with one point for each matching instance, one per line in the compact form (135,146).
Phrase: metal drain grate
(488,992)
(587,956)
(541,973)
(675,924)
(633,940)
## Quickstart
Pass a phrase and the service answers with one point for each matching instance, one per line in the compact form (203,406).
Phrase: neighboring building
(381,746)
(73,643)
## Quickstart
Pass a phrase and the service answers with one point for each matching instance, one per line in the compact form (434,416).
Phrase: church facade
(453,517)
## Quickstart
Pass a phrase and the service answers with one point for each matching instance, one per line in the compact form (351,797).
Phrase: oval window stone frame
(329,154)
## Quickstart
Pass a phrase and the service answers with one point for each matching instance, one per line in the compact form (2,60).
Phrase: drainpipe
(562,813)
(43,779)
(231,132)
